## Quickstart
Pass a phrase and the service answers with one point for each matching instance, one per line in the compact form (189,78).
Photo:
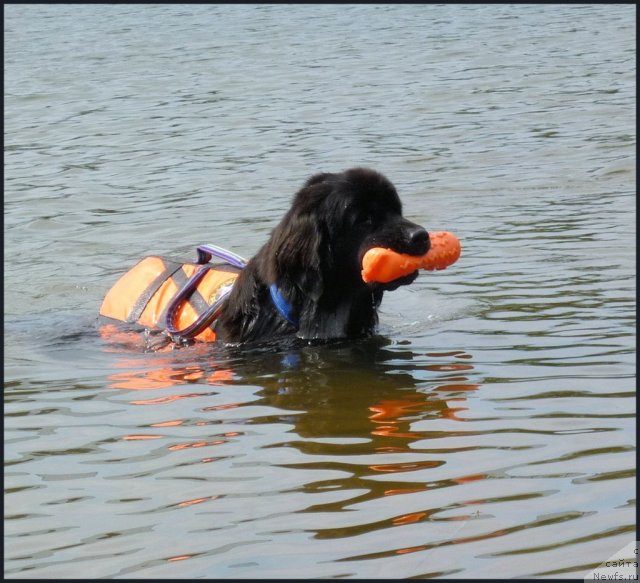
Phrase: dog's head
(315,254)
(335,219)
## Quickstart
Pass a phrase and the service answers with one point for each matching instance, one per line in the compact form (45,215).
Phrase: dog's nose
(419,240)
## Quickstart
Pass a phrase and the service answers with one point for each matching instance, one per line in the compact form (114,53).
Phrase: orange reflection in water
(160,378)
(389,414)
(392,409)
(409,518)
(470,478)
(221,438)
(411,550)
(399,491)
(195,444)
(156,371)
(392,418)
(168,423)
(186,503)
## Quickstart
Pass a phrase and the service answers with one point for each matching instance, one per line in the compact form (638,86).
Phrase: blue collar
(284,307)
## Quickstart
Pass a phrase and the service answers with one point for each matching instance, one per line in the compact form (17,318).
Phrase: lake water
(488,431)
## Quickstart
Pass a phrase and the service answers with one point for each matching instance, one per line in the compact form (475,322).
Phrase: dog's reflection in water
(365,388)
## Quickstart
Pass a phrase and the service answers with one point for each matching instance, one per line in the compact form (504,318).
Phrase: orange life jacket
(147,294)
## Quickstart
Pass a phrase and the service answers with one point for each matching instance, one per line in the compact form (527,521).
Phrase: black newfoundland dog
(306,280)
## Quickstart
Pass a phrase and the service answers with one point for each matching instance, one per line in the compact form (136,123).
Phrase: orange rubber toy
(385,265)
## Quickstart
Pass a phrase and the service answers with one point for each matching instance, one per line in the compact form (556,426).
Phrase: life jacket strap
(145,297)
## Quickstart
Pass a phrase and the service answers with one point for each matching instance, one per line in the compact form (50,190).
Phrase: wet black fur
(314,256)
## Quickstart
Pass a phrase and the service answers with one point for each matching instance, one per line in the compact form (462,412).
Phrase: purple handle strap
(205,253)
(208,250)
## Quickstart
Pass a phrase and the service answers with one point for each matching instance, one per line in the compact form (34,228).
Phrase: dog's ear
(294,259)
(296,244)
(295,255)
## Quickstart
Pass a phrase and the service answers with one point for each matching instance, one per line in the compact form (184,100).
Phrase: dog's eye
(364,219)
